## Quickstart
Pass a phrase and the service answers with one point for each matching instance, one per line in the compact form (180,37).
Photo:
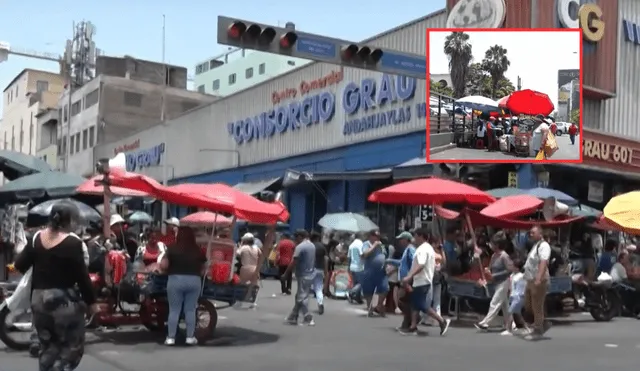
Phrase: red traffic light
(236,30)
(349,52)
(288,40)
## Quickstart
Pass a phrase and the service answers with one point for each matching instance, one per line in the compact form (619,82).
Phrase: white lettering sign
(607,152)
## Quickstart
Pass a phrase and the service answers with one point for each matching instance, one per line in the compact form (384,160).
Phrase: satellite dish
(552,209)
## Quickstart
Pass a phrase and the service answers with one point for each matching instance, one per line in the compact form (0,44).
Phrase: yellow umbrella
(623,211)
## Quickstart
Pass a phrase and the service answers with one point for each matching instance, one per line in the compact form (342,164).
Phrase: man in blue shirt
(304,264)
(374,276)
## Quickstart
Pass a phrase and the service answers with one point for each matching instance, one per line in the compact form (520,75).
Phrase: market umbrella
(586,211)
(544,193)
(429,191)
(93,187)
(512,206)
(347,222)
(86,212)
(49,184)
(113,209)
(139,217)
(14,165)
(529,102)
(623,211)
(502,103)
(506,192)
(478,103)
(205,218)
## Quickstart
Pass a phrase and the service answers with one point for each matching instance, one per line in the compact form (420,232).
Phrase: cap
(115,219)
(406,235)
(247,236)
(173,221)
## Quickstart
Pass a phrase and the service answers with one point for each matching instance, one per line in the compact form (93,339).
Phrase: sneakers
(308,320)
(444,327)
(291,320)
(170,341)
(321,309)
(481,326)
(506,333)
(533,336)
(408,331)
(191,341)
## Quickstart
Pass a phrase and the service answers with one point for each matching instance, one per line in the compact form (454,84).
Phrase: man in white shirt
(420,278)
(356,268)
(536,273)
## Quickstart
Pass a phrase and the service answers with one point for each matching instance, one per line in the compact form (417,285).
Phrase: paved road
(344,339)
(566,151)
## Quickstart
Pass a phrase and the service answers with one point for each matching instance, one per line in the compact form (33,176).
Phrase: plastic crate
(469,289)
(560,285)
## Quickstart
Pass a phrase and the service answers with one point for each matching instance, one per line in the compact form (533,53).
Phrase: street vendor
(539,135)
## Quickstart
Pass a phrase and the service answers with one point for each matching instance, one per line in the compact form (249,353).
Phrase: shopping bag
(20,300)
(551,145)
(273,255)
(540,155)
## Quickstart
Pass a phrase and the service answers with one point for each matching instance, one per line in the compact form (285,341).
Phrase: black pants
(404,302)
(285,285)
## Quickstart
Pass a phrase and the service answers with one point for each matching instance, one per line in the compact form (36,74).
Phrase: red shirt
(285,251)
(167,239)
(573,130)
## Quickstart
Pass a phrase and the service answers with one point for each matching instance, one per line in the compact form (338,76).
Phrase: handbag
(540,155)
(551,145)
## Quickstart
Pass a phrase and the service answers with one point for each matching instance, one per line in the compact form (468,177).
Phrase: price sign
(426,213)
(512,180)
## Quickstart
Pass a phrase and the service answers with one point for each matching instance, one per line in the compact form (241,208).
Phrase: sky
(135,27)
(535,56)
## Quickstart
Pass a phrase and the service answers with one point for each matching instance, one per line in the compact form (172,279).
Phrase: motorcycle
(600,298)
(13,324)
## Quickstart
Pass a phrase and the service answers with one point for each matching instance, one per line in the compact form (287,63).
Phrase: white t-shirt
(540,251)
(425,255)
(481,131)
(354,254)
(618,273)
(541,127)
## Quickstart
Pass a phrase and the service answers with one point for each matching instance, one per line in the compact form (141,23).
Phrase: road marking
(611,345)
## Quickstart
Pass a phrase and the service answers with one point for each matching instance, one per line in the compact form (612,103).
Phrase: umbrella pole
(208,264)
(475,246)
(106,200)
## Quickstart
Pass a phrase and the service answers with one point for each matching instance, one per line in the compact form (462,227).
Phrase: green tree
(458,49)
(437,87)
(479,83)
(575,117)
(496,64)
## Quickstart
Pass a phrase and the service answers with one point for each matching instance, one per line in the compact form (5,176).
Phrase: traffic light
(252,35)
(288,40)
(361,54)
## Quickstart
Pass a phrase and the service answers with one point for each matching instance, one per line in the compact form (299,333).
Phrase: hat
(247,236)
(173,221)
(405,235)
(115,219)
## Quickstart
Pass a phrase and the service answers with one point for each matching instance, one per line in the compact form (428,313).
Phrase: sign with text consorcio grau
(380,102)
(145,158)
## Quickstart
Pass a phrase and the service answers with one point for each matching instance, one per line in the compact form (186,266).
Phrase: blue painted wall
(307,204)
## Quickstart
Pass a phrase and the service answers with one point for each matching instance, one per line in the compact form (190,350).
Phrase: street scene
(252,188)
(498,99)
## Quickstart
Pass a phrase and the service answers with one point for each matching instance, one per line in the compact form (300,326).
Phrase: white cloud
(535,56)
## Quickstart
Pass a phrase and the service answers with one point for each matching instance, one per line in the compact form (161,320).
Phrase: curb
(441,148)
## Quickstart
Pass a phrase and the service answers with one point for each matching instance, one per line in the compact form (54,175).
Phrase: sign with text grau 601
(591,23)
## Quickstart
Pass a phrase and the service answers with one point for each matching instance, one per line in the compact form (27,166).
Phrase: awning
(414,168)
(293,176)
(256,187)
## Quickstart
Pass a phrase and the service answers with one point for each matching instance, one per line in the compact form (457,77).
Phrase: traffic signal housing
(361,55)
(257,36)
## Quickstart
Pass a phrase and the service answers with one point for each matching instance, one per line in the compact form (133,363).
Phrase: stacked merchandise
(12,237)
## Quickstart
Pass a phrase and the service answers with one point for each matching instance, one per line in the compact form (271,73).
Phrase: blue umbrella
(140,217)
(347,222)
(506,192)
(86,212)
(543,193)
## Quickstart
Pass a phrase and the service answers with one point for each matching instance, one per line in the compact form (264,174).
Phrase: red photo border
(506,161)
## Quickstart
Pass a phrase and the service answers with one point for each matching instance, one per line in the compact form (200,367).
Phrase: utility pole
(519,87)
(162,119)
(69,58)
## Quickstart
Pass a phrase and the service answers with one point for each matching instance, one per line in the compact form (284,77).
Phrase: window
(21,135)
(77,142)
(132,99)
(205,67)
(91,99)
(44,158)
(31,138)
(64,146)
(76,107)
(17,90)
(65,113)
(262,68)
(72,142)
(13,138)
(59,147)
(85,139)
(291,63)
(248,73)
(201,89)
(198,69)
(42,86)
(216,84)
(92,133)
(232,79)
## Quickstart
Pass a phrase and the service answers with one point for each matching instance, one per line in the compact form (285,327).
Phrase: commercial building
(30,92)
(331,135)
(239,69)
(128,95)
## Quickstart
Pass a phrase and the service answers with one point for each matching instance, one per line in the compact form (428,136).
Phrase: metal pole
(67,152)
(162,119)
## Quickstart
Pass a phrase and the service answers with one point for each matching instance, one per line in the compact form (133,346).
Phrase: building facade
(239,69)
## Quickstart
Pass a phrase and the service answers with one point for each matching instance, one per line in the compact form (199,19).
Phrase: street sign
(287,41)
(426,213)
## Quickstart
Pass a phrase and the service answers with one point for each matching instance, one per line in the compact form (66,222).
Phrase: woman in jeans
(184,263)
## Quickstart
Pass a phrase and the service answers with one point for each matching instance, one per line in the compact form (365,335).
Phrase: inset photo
(504,95)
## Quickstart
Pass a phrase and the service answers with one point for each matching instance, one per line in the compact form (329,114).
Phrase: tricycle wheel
(206,320)
(155,320)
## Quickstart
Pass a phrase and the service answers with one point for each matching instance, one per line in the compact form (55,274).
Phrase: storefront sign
(631,31)
(426,213)
(305,87)
(595,192)
(477,14)
(127,147)
(607,152)
(588,18)
(145,158)
(512,180)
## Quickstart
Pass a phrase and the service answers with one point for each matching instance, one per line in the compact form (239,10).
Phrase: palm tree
(458,49)
(495,63)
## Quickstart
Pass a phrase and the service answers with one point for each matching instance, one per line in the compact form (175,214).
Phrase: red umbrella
(90,188)
(431,191)
(529,102)
(502,103)
(512,206)
(205,218)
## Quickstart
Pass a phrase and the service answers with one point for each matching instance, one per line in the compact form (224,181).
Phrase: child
(516,297)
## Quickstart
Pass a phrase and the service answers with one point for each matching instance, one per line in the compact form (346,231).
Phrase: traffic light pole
(283,41)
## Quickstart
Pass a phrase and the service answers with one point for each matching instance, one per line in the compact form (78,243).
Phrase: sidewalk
(22,362)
